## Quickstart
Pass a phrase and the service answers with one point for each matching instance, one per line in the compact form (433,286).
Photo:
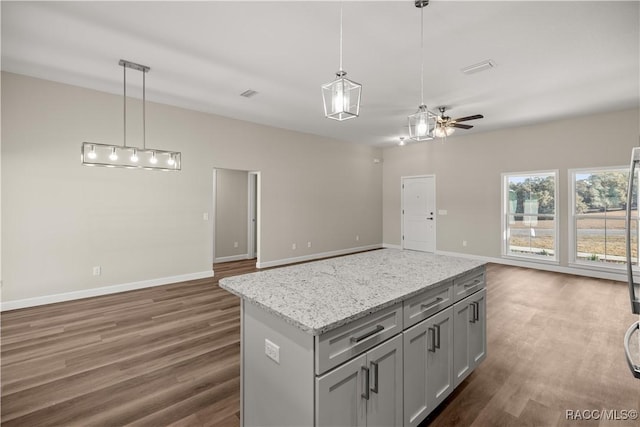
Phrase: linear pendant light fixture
(341,97)
(423,122)
(123,156)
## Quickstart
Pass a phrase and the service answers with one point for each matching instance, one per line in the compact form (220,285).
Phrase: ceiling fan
(445,125)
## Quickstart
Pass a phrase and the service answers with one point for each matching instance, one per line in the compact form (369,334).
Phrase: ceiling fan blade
(464,119)
(458,125)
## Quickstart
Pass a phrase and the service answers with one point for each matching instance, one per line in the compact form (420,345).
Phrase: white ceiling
(553,59)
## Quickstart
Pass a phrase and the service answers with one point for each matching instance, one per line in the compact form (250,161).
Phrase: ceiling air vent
(480,66)
(249,93)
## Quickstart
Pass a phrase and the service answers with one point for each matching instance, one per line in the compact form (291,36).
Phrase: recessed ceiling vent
(480,66)
(249,93)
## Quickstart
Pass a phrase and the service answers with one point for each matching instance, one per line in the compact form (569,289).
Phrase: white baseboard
(540,266)
(105,290)
(390,246)
(232,258)
(312,257)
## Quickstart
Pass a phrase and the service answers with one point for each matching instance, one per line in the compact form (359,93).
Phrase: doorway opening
(236,215)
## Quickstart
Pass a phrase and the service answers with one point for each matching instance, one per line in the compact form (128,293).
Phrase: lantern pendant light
(341,97)
(422,123)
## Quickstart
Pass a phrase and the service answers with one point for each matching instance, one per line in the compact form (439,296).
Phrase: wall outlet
(308,244)
(357,237)
(272,351)
(235,244)
(205,216)
(97,270)
(464,243)
(293,246)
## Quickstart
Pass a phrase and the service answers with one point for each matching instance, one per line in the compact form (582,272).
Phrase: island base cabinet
(366,391)
(428,366)
(470,334)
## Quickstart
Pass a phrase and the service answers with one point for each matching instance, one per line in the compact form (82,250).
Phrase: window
(599,202)
(530,228)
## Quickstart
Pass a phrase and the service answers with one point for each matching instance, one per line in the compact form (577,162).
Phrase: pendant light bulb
(153,159)
(113,156)
(134,156)
(422,127)
(171,161)
(92,153)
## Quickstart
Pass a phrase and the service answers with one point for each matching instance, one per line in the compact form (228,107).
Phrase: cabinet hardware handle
(374,365)
(367,334)
(366,382)
(425,307)
(472,319)
(475,282)
(477,304)
(432,332)
(437,327)
(635,369)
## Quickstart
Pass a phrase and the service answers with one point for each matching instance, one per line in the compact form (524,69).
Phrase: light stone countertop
(322,295)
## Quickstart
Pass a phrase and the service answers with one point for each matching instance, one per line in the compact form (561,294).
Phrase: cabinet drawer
(341,344)
(427,303)
(468,284)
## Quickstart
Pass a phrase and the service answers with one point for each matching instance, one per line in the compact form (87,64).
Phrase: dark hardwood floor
(169,355)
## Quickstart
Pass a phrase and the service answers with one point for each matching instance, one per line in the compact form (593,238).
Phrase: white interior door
(418,213)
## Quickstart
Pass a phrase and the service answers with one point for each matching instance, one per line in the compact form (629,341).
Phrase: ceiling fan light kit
(341,97)
(123,156)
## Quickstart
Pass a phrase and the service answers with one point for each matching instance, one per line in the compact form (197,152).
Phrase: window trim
(573,261)
(555,260)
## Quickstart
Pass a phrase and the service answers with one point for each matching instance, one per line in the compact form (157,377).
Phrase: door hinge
(402,237)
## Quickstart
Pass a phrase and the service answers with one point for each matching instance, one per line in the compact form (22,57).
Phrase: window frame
(572,219)
(504,177)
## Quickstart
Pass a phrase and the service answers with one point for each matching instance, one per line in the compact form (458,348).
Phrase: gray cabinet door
(339,395)
(440,357)
(428,369)
(415,374)
(384,406)
(462,360)
(470,334)
(478,333)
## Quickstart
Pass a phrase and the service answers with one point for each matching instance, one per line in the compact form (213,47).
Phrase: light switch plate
(442,211)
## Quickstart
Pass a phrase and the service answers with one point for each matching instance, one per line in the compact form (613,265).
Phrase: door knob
(431,219)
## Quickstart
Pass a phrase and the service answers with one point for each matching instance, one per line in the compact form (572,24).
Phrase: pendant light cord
(422,55)
(340,36)
(144,115)
(124,68)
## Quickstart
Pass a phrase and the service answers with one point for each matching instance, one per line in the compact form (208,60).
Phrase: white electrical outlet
(97,270)
(205,216)
(235,244)
(308,244)
(272,351)
(464,243)
(357,237)
(293,246)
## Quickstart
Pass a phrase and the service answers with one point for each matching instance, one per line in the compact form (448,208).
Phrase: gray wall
(59,219)
(232,197)
(468,170)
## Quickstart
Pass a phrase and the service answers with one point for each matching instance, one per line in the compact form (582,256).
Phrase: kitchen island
(364,339)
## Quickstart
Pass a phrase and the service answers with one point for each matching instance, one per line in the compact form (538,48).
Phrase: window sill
(622,268)
(531,259)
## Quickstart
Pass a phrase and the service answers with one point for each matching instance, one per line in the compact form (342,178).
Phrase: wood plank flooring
(169,355)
